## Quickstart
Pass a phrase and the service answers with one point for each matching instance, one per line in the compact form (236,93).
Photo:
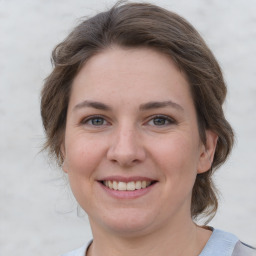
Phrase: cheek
(179,152)
(83,155)
(178,161)
(82,159)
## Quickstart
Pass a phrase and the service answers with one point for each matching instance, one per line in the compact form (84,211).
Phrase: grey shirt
(221,243)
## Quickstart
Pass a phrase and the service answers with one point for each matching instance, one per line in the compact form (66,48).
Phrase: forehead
(124,59)
(129,73)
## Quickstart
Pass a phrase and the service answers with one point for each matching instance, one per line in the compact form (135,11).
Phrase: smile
(127,186)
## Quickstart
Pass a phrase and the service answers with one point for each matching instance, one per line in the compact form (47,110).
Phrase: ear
(207,152)
(63,153)
(64,166)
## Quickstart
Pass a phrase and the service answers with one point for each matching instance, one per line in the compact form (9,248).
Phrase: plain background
(38,215)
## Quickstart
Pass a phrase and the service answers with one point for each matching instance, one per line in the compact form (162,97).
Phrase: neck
(186,239)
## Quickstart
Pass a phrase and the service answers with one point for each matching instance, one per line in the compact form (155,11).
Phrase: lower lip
(124,194)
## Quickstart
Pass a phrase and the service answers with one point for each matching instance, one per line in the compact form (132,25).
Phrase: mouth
(127,186)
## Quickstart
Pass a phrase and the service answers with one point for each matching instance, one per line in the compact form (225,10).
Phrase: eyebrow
(161,104)
(92,104)
(147,106)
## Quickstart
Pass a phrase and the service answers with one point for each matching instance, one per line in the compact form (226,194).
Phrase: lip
(121,194)
(126,179)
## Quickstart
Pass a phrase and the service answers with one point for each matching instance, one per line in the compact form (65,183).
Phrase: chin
(126,223)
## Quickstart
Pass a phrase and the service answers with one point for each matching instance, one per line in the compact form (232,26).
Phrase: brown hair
(143,25)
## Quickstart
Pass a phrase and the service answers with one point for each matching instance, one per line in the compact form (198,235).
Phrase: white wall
(33,195)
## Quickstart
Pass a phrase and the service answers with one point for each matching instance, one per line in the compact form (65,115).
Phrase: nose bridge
(127,138)
(126,147)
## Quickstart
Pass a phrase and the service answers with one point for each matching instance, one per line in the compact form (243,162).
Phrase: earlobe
(208,151)
(64,164)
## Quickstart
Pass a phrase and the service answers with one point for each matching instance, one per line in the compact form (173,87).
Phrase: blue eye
(161,121)
(95,121)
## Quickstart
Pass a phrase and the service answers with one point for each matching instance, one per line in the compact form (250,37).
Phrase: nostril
(125,148)
(124,159)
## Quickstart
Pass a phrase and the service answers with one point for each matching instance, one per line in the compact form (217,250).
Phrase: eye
(95,121)
(161,121)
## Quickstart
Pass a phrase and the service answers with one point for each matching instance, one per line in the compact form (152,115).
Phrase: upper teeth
(132,185)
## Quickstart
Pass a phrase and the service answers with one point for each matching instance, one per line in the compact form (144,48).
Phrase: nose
(126,148)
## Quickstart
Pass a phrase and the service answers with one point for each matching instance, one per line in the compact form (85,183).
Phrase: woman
(133,113)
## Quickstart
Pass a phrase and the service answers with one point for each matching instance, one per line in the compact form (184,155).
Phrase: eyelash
(164,118)
(91,118)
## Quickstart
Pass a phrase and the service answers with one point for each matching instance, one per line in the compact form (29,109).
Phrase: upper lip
(126,179)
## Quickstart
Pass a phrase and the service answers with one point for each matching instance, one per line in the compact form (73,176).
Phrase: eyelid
(168,118)
(86,119)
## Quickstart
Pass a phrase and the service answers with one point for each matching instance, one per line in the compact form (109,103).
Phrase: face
(132,149)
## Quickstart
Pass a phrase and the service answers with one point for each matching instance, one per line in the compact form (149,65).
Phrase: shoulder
(78,252)
(242,249)
(222,243)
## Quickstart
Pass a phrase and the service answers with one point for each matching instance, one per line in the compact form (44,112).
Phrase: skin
(130,137)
